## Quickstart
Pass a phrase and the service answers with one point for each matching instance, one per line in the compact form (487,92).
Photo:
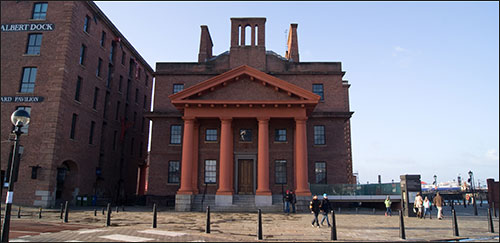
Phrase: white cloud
(492,154)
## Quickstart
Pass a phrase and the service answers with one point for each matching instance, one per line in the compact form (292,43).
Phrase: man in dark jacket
(438,202)
(314,205)
(325,209)
(288,199)
(294,201)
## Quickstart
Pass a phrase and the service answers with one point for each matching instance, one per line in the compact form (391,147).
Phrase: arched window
(256,35)
(248,35)
(240,42)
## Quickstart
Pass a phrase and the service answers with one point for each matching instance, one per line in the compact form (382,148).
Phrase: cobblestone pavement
(134,224)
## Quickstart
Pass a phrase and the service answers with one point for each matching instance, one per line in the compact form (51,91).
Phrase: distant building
(247,122)
(86,88)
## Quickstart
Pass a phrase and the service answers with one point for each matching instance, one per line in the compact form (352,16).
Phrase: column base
(263,200)
(183,202)
(303,193)
(223,200)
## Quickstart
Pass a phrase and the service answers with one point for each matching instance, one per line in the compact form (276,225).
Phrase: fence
(356,189)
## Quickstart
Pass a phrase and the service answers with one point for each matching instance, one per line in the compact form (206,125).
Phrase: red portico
(239,126)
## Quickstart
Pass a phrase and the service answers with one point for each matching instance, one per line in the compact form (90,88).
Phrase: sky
(424,75)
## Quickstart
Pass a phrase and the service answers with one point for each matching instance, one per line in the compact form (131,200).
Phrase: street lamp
(471,180)
(435,182)
(19,118)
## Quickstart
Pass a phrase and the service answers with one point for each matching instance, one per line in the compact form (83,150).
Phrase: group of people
(422,207)
(289,199)
(322,206)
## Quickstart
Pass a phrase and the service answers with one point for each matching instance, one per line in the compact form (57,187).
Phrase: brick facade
(48,143)
(333,112)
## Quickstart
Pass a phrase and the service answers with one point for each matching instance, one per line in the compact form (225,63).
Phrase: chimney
(293,46)
(205,45)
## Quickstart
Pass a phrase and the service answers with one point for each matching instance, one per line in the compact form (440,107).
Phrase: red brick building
(241,127)
(86,88)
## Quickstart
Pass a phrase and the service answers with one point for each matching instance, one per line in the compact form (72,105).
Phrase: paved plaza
(135,225)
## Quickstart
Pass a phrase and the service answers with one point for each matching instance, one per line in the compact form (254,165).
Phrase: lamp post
(471,179)
(435,182)
(19,118)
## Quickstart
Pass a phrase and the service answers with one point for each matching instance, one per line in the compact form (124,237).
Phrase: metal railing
(356,189)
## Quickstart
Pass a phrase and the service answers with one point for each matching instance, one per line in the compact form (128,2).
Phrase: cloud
(400,49)
(491,154)
(403,56)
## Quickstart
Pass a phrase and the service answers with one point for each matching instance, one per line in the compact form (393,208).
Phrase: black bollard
(454,223)
(108,215)
(40,213)
(123,208)
(62,211)
(19,213)
(465,204)
(452,205)
(333,233)
(102,211)
(154,215)
(66,209)
(490,222)
(117,209)
(402,234)
(494,209)
(259,226)
(95,212)
(207,226)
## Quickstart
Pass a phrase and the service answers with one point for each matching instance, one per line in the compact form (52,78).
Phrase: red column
(195,157)
(226,158)
(263,158)
(187,157)
(301,157)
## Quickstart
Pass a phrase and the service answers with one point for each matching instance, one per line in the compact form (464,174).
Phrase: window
(210,171)
(24,129)
(131,65)
(82,54)
(120,84)
(103,38)
(136,96)
(319,135)
(175,134)
(173,171)
(110,76)
(78,88)
(126,112)
(123,57)
(128,90)
(142,124)
(144,105)
(96,94)
(320,172)
(91,134)
(146,81)
(117,110)
(98,71)
(40,11)
(86,24)
(178,88)
(112,52)
(28,81)
(73,126)
(211,135)
(318,89)
(245,135)
(106,100)
(280,171)
(34,44)
(115,133)
(280,135)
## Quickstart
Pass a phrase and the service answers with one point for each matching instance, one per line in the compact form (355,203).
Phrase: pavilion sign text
(27,27)
(19,99)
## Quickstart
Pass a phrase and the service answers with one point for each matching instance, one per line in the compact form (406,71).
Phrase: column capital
(189,119)
(225,119)
(300,119)
(263,119)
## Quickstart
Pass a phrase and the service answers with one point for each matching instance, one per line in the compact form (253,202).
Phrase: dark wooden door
(245,176)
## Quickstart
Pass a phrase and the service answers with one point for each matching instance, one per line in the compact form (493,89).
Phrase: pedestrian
(288,199)
(388,206)
(294,200)
(438,202)
(314,206)
(325,209)
(419,204)
(427,207)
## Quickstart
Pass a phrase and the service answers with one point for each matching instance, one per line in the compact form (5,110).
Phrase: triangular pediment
(243,85)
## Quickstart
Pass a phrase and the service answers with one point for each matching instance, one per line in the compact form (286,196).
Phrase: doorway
(245,176)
